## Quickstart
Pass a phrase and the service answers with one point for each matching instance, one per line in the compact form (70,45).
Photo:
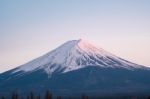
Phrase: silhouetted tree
(38,97)
(48,95)
(21,98)
(2,97)
(70,98)
(58,97)
(28,97)
(84,97)
(148,97)
(31,95)
(14,95)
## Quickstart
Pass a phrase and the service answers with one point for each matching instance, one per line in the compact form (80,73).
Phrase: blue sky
(30,28)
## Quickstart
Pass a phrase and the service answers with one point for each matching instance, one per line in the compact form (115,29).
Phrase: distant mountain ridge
(78,67)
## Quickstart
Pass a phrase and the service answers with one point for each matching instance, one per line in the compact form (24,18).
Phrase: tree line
(47,95)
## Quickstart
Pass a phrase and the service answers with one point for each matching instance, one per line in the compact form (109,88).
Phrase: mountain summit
(78,67)
(74,55)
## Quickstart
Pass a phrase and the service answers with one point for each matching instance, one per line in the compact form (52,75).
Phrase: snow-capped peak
(73,55)
(86,46)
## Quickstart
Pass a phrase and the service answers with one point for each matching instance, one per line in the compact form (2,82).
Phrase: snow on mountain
(77,67)
(73,55)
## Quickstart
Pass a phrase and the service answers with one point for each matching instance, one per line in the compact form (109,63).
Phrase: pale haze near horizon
(31,28)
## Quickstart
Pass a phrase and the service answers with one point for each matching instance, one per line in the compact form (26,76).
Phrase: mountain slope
(92,80)
(73,55)
(77,67)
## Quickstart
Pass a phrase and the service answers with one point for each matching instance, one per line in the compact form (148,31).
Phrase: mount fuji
(78,67)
